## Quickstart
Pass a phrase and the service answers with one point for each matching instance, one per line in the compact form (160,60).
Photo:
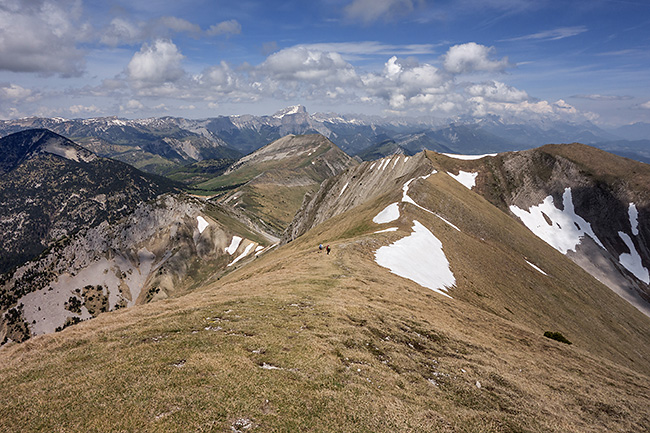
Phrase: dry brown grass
(297,340)
(348,346)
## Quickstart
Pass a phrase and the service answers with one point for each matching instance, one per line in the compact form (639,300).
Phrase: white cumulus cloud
(404,84)
(473,57)
(303,64)
(497,91)
(156,64)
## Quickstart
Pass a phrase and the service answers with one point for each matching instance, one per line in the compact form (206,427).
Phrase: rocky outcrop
(354,186)
(159,250)
(50,187)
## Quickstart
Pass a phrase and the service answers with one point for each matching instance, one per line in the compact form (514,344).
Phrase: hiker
(320,248)
(328,250)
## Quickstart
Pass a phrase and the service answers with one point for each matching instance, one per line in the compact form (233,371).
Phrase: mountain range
(162,145)
(502,292)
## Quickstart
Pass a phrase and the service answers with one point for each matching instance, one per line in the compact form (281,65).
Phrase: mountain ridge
(299,339)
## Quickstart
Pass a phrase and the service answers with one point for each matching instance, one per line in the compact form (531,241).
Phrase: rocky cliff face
(161,249)
(50,188)
(353,187)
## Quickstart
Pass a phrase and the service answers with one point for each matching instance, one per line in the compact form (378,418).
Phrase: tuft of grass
(557,336)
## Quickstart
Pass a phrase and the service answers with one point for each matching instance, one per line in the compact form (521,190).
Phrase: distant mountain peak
(294,109)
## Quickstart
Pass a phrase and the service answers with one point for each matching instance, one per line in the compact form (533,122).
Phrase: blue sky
(545,59)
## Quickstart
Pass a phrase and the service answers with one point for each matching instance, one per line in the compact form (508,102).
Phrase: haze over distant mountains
(160,145)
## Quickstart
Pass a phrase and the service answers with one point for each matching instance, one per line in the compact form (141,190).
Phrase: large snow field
(465,178)
(632,260)
(389,214)
(419,258)
(566,229)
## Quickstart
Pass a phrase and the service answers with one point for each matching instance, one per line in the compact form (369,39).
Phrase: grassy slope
(273,190)
(358,349)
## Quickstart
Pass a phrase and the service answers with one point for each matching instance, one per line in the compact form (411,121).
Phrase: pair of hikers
(320,248)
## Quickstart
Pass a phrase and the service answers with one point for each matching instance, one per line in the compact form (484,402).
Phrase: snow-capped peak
(294,109)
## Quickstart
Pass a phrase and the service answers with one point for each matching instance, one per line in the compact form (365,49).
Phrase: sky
(535,60)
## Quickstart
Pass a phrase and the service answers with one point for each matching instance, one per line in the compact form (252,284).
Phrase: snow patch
(203,224)
(372,166)
(444,220)
(234,244)
(468,157)
(389,214)
(634,218)
(344,187)
(632,261)
(419,258)
(536,268)
(566,229)
(247,250)
(465,178)
(390,229)
(407,199)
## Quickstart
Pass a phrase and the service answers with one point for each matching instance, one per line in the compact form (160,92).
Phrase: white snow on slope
(536,268)
(418,257)
(634,219)
(344,187)
(247,250)
(468,157)
(396,161)
(234,244)
(390,229)
(407,199)
(372,166)
(203,224)
(632,261)
(567,228)
(389,214)
(465,178)
(444,220)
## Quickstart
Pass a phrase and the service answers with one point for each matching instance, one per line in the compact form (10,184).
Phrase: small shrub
(557,336)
